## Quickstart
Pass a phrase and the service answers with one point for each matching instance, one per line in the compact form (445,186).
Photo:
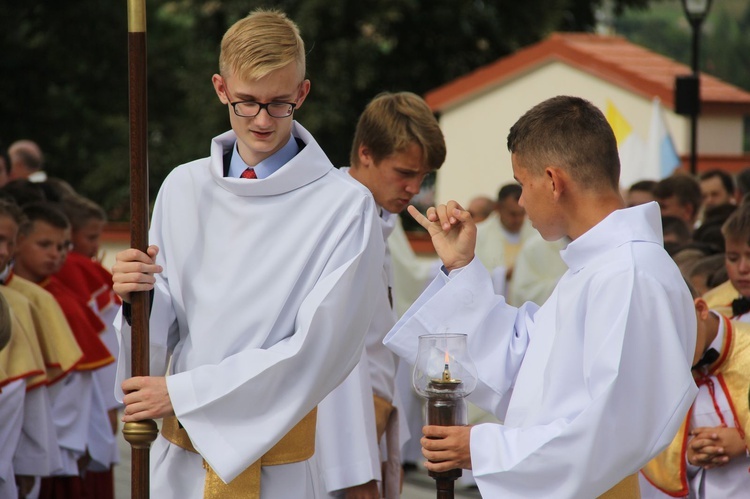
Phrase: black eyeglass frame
(261,107)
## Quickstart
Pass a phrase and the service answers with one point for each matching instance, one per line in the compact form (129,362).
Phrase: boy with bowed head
(258,305)
(596,381)
(397,143)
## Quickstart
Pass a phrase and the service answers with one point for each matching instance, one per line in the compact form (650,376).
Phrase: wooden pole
(140,434)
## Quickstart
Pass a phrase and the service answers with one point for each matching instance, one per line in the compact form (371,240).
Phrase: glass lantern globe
(444,374)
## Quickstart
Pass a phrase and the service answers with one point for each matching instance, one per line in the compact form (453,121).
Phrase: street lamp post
(696,12)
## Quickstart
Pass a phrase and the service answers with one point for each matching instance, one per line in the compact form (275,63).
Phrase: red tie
(249,173)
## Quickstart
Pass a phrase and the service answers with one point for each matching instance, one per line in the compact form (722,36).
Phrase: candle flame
(446,370)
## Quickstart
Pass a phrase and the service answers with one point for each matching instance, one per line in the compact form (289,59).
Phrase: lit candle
(446,369)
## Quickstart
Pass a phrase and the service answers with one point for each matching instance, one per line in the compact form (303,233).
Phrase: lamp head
(696,10)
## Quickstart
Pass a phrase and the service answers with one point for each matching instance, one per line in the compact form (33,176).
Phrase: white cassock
(108,373)
(590,386)
(102,443)
(346,446)
(71,399)
(38,453)
(11,420)
(262,305)
(105,378)
(538,268)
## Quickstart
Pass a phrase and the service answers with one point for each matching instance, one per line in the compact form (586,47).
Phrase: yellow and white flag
(632,149)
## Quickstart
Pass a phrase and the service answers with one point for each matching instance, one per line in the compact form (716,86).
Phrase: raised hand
(453,233)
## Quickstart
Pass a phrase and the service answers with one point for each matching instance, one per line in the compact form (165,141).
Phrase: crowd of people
(58,369)
(608,327)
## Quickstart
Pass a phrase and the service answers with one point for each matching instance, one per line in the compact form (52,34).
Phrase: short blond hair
(393,121)
(262,42)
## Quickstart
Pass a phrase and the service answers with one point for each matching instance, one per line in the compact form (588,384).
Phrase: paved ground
(418,485)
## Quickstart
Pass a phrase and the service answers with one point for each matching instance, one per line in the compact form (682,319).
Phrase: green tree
(724,49)
(65,70)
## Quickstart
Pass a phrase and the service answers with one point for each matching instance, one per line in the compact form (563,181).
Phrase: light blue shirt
(268,166)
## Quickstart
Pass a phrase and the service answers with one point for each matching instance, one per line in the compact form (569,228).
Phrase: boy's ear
(220,88)
(304,91)
(558,180)
(365,157)
(701,307)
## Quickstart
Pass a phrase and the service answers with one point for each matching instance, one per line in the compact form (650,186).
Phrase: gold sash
(297,445)
(511,251)
(383,410)
(628,488)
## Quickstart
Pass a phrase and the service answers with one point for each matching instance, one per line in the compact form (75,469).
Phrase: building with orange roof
(477,110)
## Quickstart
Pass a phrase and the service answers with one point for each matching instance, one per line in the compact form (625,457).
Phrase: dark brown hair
(571,133)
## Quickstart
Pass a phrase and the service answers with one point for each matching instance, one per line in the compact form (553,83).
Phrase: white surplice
(11,420)
(72,414)
(106,381)
(590,386)
(263,305)
(38,453)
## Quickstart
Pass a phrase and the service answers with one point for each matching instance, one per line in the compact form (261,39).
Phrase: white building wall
(717,134)
(478,162)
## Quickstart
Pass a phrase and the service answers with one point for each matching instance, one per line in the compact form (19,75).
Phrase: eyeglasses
(251,108)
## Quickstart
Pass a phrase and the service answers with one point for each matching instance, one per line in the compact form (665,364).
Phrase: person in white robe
(36,452)
(501,235)
(595,382)
(13,376)
(259,302)
(11,410)
(75,411)
(536,272)
(397,143)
